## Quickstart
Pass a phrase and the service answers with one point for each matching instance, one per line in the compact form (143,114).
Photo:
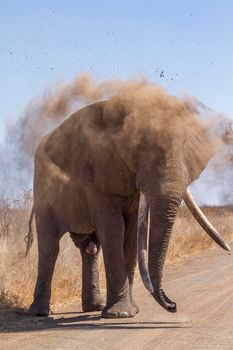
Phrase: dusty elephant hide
(88,176)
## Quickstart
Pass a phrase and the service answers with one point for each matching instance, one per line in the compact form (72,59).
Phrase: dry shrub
(18,275)
(189,238)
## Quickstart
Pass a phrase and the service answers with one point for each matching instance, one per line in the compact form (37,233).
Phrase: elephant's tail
(29,238)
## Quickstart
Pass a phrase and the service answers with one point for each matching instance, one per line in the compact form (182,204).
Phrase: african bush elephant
(99,174)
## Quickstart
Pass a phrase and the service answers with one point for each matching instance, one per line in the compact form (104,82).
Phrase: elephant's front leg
(119,303)
(130,247)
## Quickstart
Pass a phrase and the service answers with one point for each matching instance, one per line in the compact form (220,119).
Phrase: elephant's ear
(84,149)
(197,151)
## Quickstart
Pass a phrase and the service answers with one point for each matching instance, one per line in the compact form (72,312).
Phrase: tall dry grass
(189,238)
(18,275)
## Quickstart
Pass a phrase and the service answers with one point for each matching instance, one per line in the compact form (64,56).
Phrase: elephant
(100,175)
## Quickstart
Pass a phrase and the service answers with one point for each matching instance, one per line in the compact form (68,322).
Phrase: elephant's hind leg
(48,249)
(91,296)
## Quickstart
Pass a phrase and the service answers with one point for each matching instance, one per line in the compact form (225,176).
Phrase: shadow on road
(18,321)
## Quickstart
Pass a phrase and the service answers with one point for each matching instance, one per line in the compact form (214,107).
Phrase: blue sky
(45,42)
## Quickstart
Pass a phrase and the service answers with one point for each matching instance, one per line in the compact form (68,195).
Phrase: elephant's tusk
(203,221)
(142,242)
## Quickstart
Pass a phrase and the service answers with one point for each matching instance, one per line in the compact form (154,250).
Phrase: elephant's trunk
(163,212)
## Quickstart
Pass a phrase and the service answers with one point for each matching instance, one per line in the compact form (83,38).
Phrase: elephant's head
(163,178)
(166,148)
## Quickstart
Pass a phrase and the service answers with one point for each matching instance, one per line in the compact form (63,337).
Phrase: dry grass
(17,274)
(189,238)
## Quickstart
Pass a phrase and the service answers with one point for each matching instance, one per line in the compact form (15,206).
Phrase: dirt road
(202,287)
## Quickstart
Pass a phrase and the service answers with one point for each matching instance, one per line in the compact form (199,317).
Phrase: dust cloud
(165,123)
(215,183)
(41,115)
(148,109)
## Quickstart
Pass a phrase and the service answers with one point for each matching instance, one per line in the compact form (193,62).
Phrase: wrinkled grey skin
(87,181)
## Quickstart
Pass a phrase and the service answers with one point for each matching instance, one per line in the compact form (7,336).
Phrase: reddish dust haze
(147,109)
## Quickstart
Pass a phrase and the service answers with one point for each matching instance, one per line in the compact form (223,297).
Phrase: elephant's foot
(95,303)
(135,306)
(164,301)
(39,310)
(120,309)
